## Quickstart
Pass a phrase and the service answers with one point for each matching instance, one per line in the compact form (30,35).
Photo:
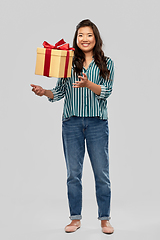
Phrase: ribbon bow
(60,45)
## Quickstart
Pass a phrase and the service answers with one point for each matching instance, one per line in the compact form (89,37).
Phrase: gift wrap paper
(57,62)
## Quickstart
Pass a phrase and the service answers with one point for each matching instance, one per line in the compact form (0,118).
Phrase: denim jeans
(75,131)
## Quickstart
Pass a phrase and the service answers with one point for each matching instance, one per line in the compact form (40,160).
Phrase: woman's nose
(84,38)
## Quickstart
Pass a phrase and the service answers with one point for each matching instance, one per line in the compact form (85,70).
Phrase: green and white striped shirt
(82,102)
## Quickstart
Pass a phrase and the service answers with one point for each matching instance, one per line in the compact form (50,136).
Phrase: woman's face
(86,39)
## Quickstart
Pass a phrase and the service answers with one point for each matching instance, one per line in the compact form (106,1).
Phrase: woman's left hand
(82,83)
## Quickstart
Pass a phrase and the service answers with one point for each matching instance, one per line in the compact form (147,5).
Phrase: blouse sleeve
(59,90)
(106,85)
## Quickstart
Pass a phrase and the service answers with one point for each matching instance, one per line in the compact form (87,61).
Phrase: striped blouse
(82,102)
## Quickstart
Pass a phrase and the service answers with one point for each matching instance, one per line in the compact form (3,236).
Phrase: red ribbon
(61,45)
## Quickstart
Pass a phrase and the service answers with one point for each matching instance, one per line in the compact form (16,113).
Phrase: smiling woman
(85,120)
(86,40)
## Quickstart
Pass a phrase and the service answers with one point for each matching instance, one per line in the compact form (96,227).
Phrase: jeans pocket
(66,119)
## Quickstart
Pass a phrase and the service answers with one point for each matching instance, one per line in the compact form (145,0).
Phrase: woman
(85,118)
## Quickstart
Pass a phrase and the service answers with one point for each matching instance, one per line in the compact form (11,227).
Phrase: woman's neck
(88,56)
(88,60)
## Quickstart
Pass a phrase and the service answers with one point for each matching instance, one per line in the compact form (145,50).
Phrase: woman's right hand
(38,90)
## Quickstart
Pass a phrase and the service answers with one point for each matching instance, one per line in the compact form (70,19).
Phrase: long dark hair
(98,54)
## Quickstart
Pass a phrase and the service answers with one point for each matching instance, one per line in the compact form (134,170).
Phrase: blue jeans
(75,131)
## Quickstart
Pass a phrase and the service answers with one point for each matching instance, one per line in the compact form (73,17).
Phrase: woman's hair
(98,54)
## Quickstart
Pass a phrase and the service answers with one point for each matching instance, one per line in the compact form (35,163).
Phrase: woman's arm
(104,87)
(94,87)
(49,94)
(84,82)
(38,90)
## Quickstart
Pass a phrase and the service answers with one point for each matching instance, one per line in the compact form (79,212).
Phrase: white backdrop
(31,157)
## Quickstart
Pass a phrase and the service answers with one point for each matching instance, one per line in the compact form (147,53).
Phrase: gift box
(54,60)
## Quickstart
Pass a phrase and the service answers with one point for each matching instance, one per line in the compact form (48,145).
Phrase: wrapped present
(54,61)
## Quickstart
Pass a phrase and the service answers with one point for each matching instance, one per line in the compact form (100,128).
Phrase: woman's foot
(73,226)
(106,227)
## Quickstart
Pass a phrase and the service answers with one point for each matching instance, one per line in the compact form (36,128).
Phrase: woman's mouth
(85,44)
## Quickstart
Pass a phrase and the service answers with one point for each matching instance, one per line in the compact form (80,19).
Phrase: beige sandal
(106,227)
(73,226)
